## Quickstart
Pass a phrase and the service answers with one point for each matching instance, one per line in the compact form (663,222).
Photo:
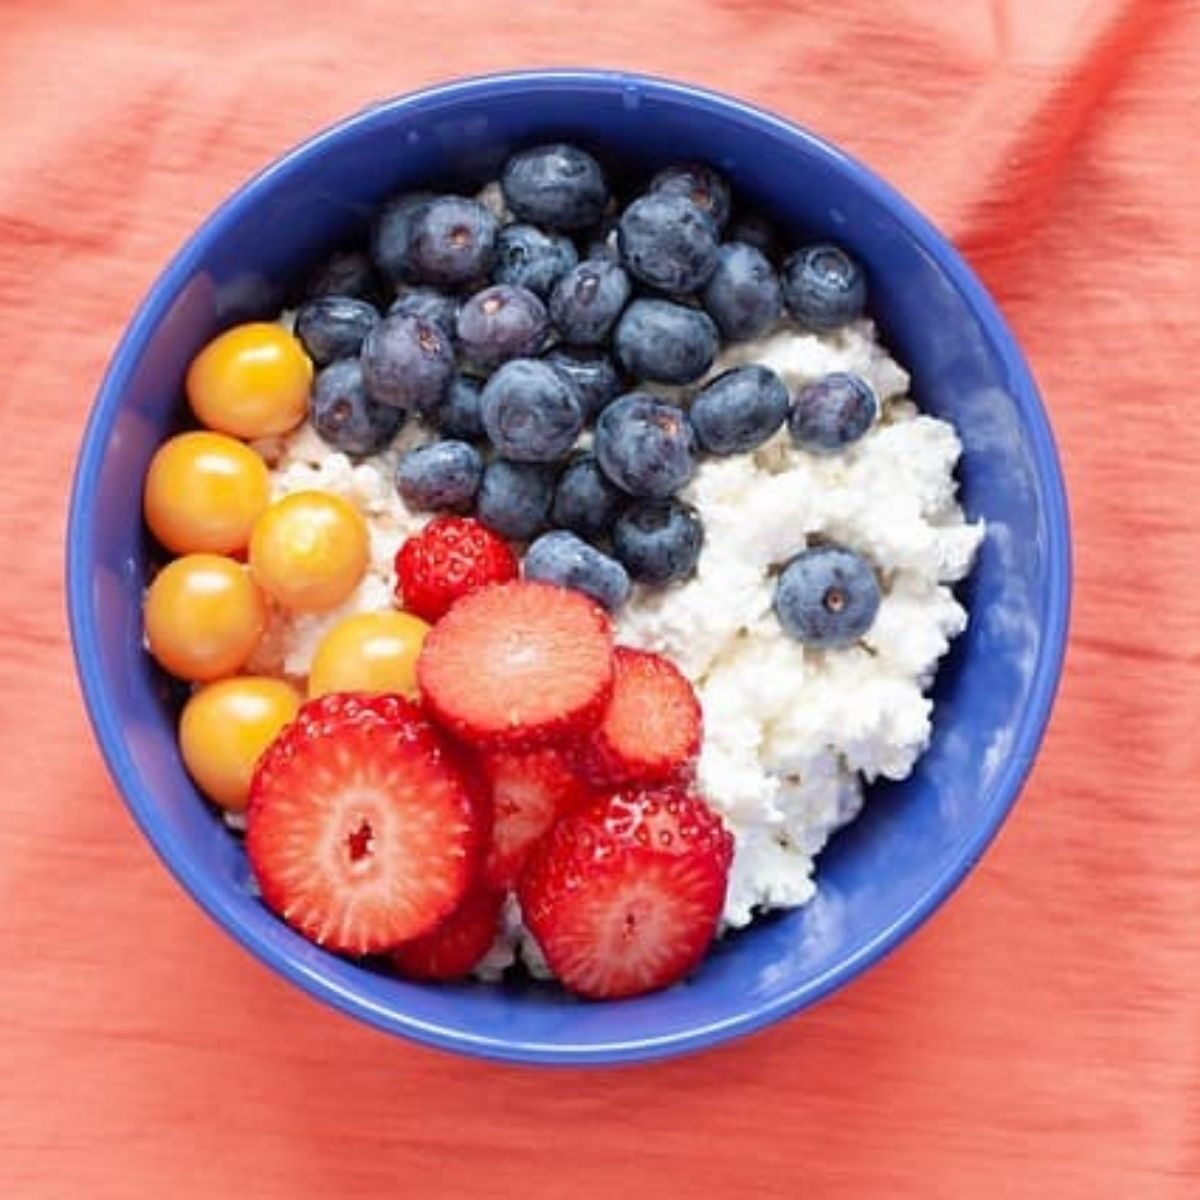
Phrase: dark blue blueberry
(592,372)
(333,327)
(514,498)
(645,446)
(443,476)
(827,597)
(739,410)
(430,304)
(833,412)
(346,273)
(458,415)
(562,558)
(499,323)
(390,236)
(530,258)
(558,186)
(659,541)
(531,412)
(743,296)
(346,417)
(451,241)
(601,241)
(823,287)
(668,243)
(665,342)
(585,502)
(407,362)
(587,301)
(755,230)
(700,184)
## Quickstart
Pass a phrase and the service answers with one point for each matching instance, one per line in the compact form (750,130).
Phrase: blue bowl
(880,878)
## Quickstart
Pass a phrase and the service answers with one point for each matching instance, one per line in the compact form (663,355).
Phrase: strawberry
(530,789)
(518,665)
(452,948)
(361,829)
(652,727)
(623,897)
(450,558)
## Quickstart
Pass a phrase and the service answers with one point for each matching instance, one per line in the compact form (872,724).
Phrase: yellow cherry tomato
(369,652)
(225,727)
(204,616)
(309,551)
(204,491)
(251,381)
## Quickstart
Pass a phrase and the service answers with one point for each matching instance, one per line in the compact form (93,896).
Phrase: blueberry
(558,186)
(346,273)
(833,412)
(527,257)
(514,498)
(700,184)
(499,323)
(739,410)
(755,230)
(562,558)
(592,372)
(457,415)
(659,541)
(332,327)
(407,362)
(827,597)
(743,296)
(668,243)
(587,301)
(390,236)
(645,446)
(442,476)
(451,241)
(530,411)
(823,287)
(346,417)
(601,241)
(430,304)
(665,342)
(585,502)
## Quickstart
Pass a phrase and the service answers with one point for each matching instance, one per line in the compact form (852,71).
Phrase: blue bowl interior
(914,841)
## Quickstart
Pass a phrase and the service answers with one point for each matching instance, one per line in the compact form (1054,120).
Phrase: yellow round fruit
(225,727)
(204,491)
(251,381)
(204,617)
(309,551)
(369,652)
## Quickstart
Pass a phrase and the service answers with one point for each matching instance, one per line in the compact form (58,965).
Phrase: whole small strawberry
(624,896)
(450,558)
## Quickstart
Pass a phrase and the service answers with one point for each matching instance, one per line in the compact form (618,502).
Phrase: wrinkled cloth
(1039,1038)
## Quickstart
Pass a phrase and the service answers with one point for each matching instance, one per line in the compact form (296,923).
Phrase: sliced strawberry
(530,790)
(623,897)
(518,665)
(452,949)
(652,727)
(361,830)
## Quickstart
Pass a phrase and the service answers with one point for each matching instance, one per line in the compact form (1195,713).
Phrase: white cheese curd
(791,735)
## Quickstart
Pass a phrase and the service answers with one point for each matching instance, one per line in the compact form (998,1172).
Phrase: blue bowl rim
(106,722)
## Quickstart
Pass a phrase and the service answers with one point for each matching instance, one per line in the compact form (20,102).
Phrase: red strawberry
(651,730)
(518,665)
(531,789)
(451,949)
(624,896)
(450,558)
(361,830)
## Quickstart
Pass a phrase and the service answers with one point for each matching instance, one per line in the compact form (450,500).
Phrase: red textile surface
(1040,1038)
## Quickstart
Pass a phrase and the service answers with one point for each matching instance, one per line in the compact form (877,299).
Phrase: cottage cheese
(791,734)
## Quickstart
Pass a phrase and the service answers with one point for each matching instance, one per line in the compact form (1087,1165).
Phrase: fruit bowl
(879,878)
